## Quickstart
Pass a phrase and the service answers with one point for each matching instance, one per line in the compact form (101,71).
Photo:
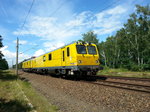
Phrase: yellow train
(77,58)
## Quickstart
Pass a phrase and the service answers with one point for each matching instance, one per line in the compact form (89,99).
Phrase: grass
(123,73)
(12,99)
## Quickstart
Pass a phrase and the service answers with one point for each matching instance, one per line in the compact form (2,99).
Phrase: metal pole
(17,47)
(12,63)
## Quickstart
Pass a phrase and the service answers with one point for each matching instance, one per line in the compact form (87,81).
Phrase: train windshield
(91,50)
(81,49)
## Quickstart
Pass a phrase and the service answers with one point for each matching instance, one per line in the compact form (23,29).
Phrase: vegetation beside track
(12,95)
(123,72)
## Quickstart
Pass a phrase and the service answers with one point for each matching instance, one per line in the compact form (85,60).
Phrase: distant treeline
(130,47)
(19,66)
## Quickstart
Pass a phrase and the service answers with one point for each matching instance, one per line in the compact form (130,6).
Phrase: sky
(55,23)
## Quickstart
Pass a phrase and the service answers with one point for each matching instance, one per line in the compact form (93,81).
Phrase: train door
(68,57)
(63,61)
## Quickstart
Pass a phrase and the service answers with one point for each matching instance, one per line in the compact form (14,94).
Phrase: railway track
(123,78)
(123,83)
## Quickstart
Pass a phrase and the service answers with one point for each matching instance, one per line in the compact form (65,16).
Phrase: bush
(145,67)
(135,68)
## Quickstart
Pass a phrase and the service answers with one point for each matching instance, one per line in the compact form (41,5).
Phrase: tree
(3,62)
(137,32)
(130,47)
(1,45)
(90,37)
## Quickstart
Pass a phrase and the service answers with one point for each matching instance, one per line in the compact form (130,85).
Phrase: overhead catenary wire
(29,49)
(17,44)
(27,15)
(58,8)
(110,5)
(22,26)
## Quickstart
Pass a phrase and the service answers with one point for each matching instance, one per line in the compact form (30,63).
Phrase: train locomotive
(77,58)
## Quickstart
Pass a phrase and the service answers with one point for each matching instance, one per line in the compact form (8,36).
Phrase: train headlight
(79,61)
(97,61)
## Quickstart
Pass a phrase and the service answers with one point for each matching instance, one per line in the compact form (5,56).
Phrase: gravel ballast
(77,96)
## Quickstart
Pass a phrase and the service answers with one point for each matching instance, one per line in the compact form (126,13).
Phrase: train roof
(56,49)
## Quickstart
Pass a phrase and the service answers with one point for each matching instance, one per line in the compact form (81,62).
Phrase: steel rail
(126,86)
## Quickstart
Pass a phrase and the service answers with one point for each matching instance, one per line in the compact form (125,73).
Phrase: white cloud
(39,52)
(49,28)
(107,30)
(49,46)
(11,56)
(117,10)
(110,20)
(7,53)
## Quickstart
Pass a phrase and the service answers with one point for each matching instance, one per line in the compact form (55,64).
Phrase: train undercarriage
(66,71)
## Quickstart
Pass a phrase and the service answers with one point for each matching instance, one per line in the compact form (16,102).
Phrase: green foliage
(130,47)
(12,98)
(20,65)
(124,73)
(1,45)
(90,37)
(3,62)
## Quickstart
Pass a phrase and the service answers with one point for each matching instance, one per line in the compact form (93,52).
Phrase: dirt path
(76,96)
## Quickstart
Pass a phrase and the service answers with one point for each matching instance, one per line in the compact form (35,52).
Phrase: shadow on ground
(85,78)
(13,106)
(23,79)
(6,75)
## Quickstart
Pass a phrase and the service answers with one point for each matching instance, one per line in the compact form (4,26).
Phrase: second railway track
(123,83)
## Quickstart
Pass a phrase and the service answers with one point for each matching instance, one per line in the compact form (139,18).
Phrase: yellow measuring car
(78,58)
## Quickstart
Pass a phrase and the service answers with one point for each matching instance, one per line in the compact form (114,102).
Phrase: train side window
(50,56)
(44,58)
(68,51)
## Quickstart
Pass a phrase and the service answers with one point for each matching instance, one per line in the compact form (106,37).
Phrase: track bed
(76,96)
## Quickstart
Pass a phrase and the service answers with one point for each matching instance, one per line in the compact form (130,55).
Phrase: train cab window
(44,58)
(50,56)
(91,50)
(68,51)
(81,49)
